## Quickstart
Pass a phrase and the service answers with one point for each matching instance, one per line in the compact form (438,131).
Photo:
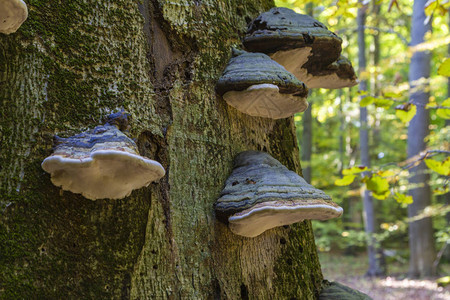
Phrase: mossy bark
(72,63)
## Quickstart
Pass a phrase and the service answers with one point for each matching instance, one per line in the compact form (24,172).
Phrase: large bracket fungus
(258,86)
(303,45)
(100,163)
(261,194)
(12,14)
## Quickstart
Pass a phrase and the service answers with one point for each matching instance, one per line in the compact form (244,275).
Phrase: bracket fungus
(12,14)
(258,86)
(261,194)
(303,45)
(100,163)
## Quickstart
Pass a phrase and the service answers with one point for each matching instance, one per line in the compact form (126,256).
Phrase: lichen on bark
(67,67)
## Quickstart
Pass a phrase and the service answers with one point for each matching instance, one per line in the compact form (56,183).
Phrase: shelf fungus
(261,194)
(303,45)
(100,163)
(258,86)
(12,14)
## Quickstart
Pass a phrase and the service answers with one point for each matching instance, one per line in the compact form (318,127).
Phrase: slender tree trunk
(447,123)
(421,237)
(73,62)
(306,147)
(307,134)
(369,213)
(381,262)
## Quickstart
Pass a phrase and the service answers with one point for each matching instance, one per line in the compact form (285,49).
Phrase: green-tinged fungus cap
(261,194)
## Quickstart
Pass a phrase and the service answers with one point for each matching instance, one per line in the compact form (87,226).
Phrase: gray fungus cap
(303,45)
(257,85)
(100,163)
(261,194)
(12,14)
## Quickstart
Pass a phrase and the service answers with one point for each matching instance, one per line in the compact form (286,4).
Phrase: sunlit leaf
(392,95)
(444,113)
(430,6)
(346,180)
(402,198)
(355,170)
(387,173)
(378,185)
(366,101)
(442,190)
(406,116)
(442,168)
(362,93)
(381,196)
(444,68)
(383,103)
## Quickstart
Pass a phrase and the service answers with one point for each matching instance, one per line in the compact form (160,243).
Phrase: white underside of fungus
(12,14)
(265,100)
(263,216)
(109,174)
(294,59)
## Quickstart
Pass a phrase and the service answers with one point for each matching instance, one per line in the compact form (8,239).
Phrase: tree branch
(400,36)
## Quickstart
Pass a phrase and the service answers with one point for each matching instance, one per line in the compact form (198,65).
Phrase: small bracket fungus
(100,163)
(303,45)
(261,194)
(258,86)
(12,14)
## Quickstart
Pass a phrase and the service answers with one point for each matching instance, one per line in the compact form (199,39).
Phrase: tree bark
(307,120)
(369,213)
(421,237)
(306,143)
(74,62)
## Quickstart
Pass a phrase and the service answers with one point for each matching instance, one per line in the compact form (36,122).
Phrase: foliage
(336,118)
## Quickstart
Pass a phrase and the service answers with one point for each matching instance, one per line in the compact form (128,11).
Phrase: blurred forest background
(355,144)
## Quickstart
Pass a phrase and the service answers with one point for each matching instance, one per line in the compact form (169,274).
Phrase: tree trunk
(306,147)
(74,62)
(369,213)
(421,237)
(307,122)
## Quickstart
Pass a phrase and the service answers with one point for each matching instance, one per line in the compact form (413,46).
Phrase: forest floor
(350,270)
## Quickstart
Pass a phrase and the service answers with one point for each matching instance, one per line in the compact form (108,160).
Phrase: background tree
(68,66)
(375,268)
(421,237)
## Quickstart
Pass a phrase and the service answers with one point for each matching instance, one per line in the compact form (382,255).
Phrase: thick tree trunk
(74,62)
(421,237)
(369,213)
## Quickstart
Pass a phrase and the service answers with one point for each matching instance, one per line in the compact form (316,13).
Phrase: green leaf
(442,190)
(392,95)
(381,196)
(378,185)
(355,170)
(366,101)
(402,198)
(442,168)
(387,173)
(406,116)
(430,6)
(443,112)
(346,180)
(444,68)
(383,103)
